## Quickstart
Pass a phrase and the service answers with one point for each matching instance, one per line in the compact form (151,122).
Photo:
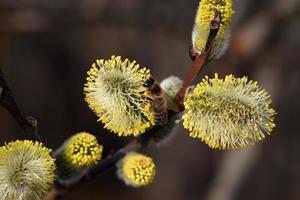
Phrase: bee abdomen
(160,112)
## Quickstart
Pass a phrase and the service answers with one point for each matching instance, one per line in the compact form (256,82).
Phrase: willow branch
(198,64)
(201,60)
(27,124)
(143,140)
(110,161)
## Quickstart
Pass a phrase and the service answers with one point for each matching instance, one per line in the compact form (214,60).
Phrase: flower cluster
(228,113)
(81,150)
(204,17)
(26,170)
(113,91)
(136,169)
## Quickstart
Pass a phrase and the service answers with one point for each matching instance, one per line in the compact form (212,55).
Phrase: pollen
(136,170)
(113,92)
(26,170)
(81,150)
(229,113)
(204,16)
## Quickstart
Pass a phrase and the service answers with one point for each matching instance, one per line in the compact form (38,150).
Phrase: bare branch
(27,124)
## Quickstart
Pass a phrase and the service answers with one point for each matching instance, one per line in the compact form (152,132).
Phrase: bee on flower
(124,96)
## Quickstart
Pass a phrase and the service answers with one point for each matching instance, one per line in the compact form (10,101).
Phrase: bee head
(148,83)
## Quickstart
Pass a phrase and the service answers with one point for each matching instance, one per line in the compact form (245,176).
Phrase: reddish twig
(198,64)
(201,60)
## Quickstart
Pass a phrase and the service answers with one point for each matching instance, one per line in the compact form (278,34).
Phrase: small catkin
(205,15)
(136,170)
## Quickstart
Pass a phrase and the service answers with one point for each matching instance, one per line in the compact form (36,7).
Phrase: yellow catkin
(136,170)
(204,17)
(113,92)
(82,150)
(228,113)
(27,170)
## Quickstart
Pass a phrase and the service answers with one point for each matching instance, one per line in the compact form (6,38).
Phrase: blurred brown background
(46,47)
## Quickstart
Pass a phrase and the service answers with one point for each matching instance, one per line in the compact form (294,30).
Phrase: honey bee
(154,93)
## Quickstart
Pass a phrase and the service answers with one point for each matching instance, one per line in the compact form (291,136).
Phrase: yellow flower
(26,171)
(204,17)
(229,113)
(81,150)
(113,92)
(136,169)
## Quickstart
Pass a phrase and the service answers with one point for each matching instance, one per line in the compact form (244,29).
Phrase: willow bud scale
(113,92)
(81,150)
(228,113)
(136,169)
(171,85)
(26,171)
(204,16)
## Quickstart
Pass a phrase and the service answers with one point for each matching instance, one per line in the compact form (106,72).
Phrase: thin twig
(105,164)
(201,60)
(27,124)
(61,186)
(198,64)
(214,29)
